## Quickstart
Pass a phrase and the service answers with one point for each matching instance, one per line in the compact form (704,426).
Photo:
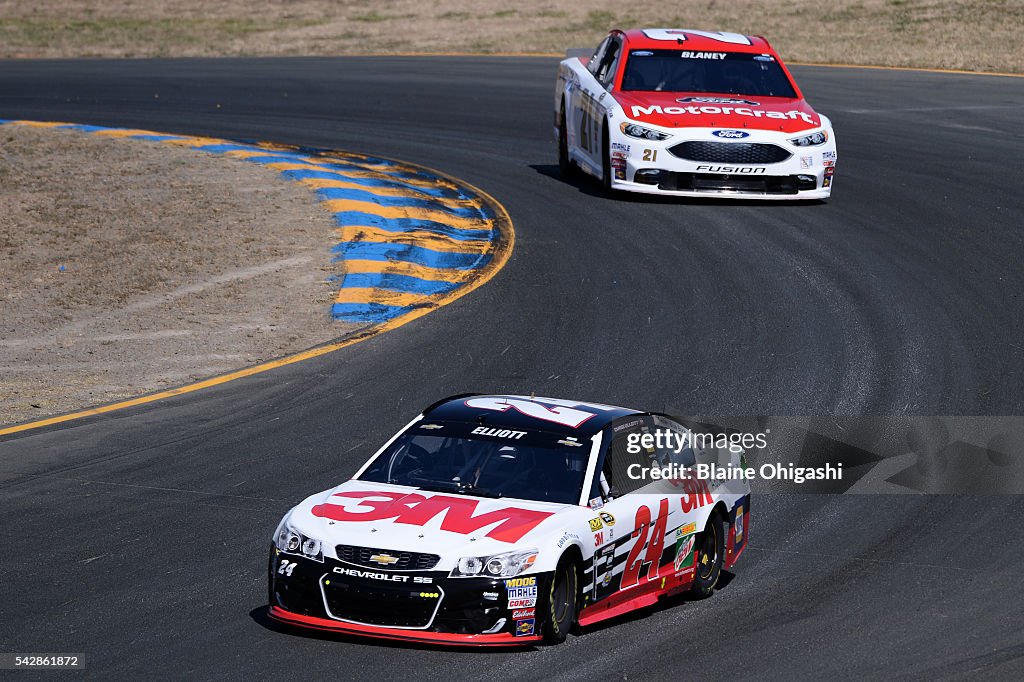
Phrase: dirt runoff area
(131,266)
(954,34)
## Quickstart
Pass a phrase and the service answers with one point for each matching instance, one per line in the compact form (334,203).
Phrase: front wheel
(564,163)
(710,551)
(606,162)
(561,602)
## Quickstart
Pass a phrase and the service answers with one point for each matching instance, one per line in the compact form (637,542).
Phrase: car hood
(700,110)
(402,518)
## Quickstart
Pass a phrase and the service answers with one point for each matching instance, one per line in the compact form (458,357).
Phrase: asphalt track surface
(139,538)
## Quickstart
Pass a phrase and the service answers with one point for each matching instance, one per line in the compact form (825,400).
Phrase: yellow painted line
(385,170)
(410,193)
(404,268)
(276,146)
(318,163)
(297,165)
(39,124)
(250,153)
(427,240)
(410,212)
(190,388)
(299,162)
(383,167)
(415,182)
(503,247)
(193,141)
(347,173)
(361,160)
(459,54)
(119,132)
(382,296)
(326,156)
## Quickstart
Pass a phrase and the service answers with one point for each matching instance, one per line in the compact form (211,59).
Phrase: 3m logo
(697,494)
(510,523)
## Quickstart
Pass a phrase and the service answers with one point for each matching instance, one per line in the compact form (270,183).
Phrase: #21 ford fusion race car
(506,520)
(691,113)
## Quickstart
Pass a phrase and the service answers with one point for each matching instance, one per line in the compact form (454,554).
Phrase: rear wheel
(710,551)
(561,602)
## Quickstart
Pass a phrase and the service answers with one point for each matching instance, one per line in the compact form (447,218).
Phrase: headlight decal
(812,140)
(642,133)
(504,565)
(290,540)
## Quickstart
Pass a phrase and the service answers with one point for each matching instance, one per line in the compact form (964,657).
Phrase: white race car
(691,113)
(506,520)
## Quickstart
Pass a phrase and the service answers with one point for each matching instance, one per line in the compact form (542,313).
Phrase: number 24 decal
(652,558)
(697,496)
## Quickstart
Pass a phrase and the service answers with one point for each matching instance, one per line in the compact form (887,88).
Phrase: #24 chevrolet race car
(691,113)
(505,520)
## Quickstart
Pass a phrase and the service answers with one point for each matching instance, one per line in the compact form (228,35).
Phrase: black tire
(606,162)
(710,556)
(271,567)
(565,166)
(560,603)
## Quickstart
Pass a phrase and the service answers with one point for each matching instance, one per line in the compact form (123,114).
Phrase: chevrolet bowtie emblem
(384,559)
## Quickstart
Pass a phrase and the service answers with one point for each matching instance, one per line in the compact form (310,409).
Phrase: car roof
(519,413)
(692,39)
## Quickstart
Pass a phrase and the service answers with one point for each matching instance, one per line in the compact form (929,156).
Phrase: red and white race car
(691,113)
(506,520)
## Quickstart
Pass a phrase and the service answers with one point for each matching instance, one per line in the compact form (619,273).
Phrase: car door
(687,507)
(629,529)
(588,104)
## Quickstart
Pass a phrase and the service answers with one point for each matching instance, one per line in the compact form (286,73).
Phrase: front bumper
(724,185)
(650,167)
(419,606)
(422,637)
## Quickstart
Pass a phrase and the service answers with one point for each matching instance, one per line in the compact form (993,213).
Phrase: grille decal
(729,152)
(379,558)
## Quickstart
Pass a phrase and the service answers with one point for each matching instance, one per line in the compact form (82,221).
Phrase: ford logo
(731,134)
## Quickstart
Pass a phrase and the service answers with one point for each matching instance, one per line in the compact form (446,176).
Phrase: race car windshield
(727,73)
(530,466)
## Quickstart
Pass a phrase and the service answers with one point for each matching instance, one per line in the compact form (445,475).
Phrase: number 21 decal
(650,155)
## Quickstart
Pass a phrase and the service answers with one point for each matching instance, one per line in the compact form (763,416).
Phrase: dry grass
(131,266)
(957,34)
